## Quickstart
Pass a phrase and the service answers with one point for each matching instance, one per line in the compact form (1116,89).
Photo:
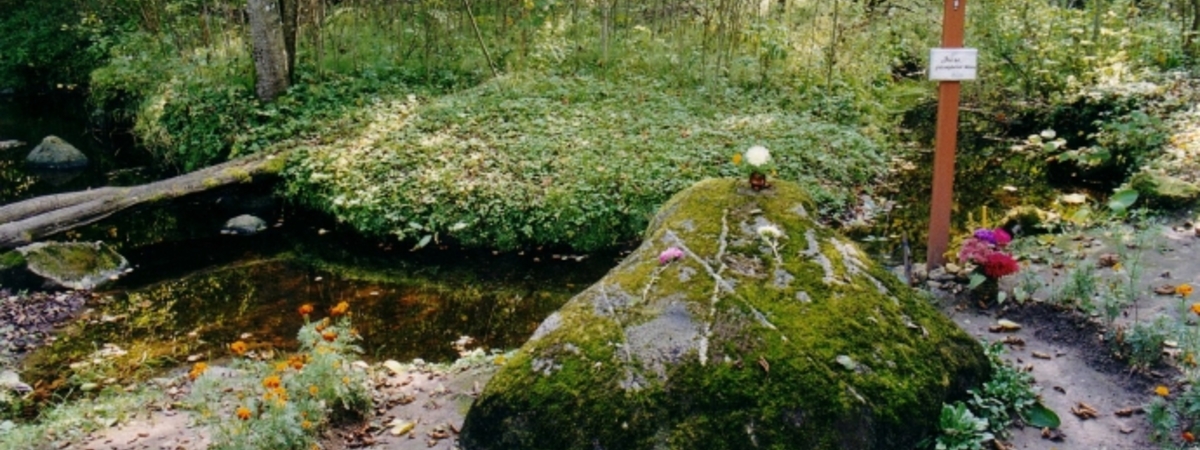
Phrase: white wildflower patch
(757,156)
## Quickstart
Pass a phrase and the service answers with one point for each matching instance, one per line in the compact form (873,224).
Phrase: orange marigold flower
(1189,437)
(197,370)
(243,413)
(1196,308)
(1162,391)
(239,348)
(271,382)
(306,309)
(1183,290)
(329,335)
(340,309)
(297,362)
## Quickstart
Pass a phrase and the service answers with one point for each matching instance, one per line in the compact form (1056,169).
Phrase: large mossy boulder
(73,265)
(56,154)
(748,340)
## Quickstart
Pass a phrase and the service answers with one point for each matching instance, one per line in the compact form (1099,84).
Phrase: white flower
(757,156)
(770,231)
(1048,134)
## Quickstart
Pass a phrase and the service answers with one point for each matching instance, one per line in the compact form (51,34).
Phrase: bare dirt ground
(422,406)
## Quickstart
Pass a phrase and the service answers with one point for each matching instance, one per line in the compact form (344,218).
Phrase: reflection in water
(402,309)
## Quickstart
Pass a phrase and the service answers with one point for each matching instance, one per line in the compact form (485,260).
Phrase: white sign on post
(952,64)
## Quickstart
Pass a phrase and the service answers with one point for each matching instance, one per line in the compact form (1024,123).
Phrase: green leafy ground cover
(529,160)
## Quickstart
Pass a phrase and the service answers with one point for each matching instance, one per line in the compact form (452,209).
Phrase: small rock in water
(244,225)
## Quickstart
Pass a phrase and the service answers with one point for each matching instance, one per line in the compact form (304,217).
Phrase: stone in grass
(244,225)
(73,265)
(56,154)
(1163,190)
(715,350)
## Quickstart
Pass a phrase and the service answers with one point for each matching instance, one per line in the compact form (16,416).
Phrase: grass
(73,421)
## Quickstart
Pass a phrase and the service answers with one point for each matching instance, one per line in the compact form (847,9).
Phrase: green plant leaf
(1040,416)
(976,280)
(1122,200)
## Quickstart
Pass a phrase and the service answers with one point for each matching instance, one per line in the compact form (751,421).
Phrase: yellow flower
(1162,391)
(243,413)
(1196,308)
(271,382)
(305,424)
(197,370)
(238,348)
(1183,290)
(737,159)
(312,390)
(281,366)
(340,309)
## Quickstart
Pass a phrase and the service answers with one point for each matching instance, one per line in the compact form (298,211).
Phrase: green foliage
(66,423)
(530,160)
(1008,396)
(1142,343)
(1080,287)
(282,404)
(39,48)
(961,430)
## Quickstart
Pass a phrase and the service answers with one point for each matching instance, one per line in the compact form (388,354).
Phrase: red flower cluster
(999,264)
(985,249)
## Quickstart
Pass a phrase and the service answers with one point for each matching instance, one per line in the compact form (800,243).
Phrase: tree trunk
(270,57)
(25,221)
(290,13)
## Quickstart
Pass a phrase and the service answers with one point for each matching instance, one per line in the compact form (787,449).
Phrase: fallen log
(23,222)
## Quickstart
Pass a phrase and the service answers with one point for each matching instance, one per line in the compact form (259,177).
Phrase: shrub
(281,404)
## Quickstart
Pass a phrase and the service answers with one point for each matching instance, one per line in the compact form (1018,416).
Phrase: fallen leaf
(1109,260)
(1053,434)
(1041,355)
(1085,411)
(1013,340)
(1126,430)
(1060,389)
(1126,412)
(1165,289)
(1008,325)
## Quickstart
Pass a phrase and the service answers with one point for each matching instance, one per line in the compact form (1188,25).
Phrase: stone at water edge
(732,347)
(74,265)
(56,154)
(244,225)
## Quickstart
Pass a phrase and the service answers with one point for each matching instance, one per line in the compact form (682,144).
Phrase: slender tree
(270,55)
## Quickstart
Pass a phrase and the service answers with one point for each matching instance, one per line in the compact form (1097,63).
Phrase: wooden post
(946,141)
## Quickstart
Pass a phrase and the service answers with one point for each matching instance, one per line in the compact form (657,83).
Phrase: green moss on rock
(10,260)
(796,342)
(74,265)
(1162,190)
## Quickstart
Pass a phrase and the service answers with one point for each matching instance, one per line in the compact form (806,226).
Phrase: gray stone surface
(56,154)
(74,265)
(244,225)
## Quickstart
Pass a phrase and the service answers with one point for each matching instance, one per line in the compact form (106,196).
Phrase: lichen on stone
(736,345)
